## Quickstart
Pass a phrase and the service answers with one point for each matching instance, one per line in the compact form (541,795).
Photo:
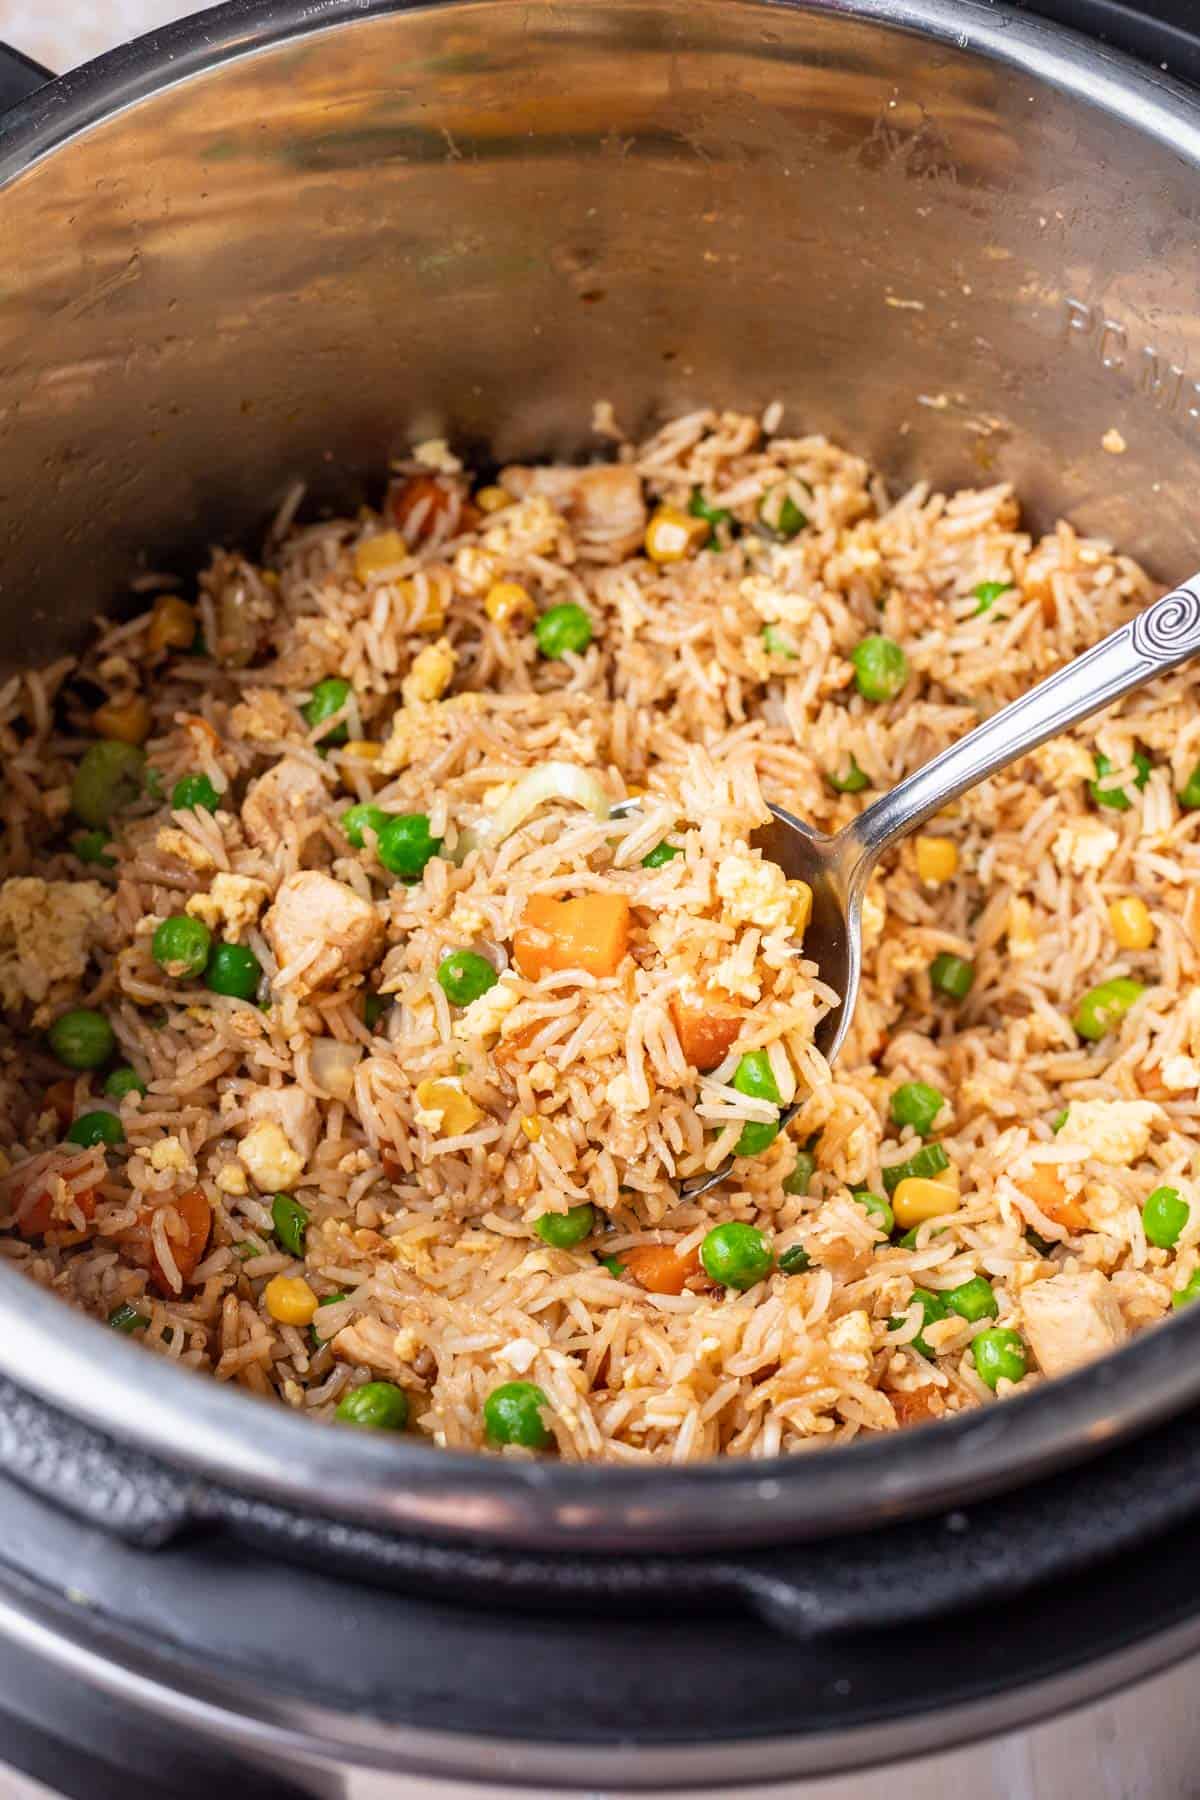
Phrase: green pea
(512,1414)
(328,697)
(716,515)
(405,844)
(96,1128)
(973,1300)
(926,1162)
(909,1240)
(880,668)
(127,1319)
(953,976)
(82,1039)
(661,853)
(736,1255)
(878,1211)
(181,946)
(1116,799)
(124,1081)
(614,1265)
(987,593)
(374,1007)
(1189,794)
(917,1104)
(464,975)
(1188,1292)
(781,515)
(933,1307)
(562,1231)
(289,1222)
(193,792)
(803,1170)
(379,1405)
(1037,1242)
(1104,1006)
(356,817)
(110,775)
(852,782)
(563,628)
(777,642)
(754,1077)
(92,847)
(794,1261)
(998,1355)
(233,970)
(1164,1216)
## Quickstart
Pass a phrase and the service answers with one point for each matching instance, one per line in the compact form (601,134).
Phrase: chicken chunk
(291,791)
(294,1111)
(1072,1319)
(604,505)
(323,930)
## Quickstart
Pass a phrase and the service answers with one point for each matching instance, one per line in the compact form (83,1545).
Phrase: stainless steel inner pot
(285,240)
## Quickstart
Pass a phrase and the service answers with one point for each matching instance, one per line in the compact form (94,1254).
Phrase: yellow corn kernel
(1132,925)
(673,534)
(802,901)
(493,499)
(459,1112)
(290,1299)
(375,555)
(531,1127)
(172,624)
(126,720)
(270,578)
(917,1199)
(362,750)
(424,600)
(507,600)
(635,793)
(937,859)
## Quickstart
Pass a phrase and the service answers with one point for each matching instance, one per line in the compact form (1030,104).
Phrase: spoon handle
(1160,638)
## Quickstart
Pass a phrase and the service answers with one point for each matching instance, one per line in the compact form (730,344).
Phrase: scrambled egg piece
(169,1153)
(851,1338)
(1064,762)
(431,673)
(756,892)
(417,730)
(774,605)
(1022,938)
(231,1179)
(435,453)
(181,844)
(1111,1131)
(1179,1073)
(1084,845)
(485,1017)
(232,905)
(530,528)
(271,1160)
(46,931)
(261,716)
(874,916)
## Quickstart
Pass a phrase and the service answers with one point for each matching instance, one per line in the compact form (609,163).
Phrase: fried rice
(349,1166)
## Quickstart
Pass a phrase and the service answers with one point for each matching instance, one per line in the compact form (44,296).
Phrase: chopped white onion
(549,781)
(333,1064)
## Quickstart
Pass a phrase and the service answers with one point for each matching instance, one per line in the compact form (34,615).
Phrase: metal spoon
(838,868)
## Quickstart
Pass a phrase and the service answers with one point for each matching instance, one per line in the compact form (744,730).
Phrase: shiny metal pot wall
(285,241)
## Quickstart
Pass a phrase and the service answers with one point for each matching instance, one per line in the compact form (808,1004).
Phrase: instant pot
(287,240)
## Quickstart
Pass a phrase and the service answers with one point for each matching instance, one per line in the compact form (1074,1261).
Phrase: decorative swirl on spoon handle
(1169,631)
(1164,635)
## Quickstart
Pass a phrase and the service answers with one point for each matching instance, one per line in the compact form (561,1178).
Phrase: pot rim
(202,1428)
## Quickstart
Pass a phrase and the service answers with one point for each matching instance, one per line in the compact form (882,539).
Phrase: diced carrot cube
(591,933)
